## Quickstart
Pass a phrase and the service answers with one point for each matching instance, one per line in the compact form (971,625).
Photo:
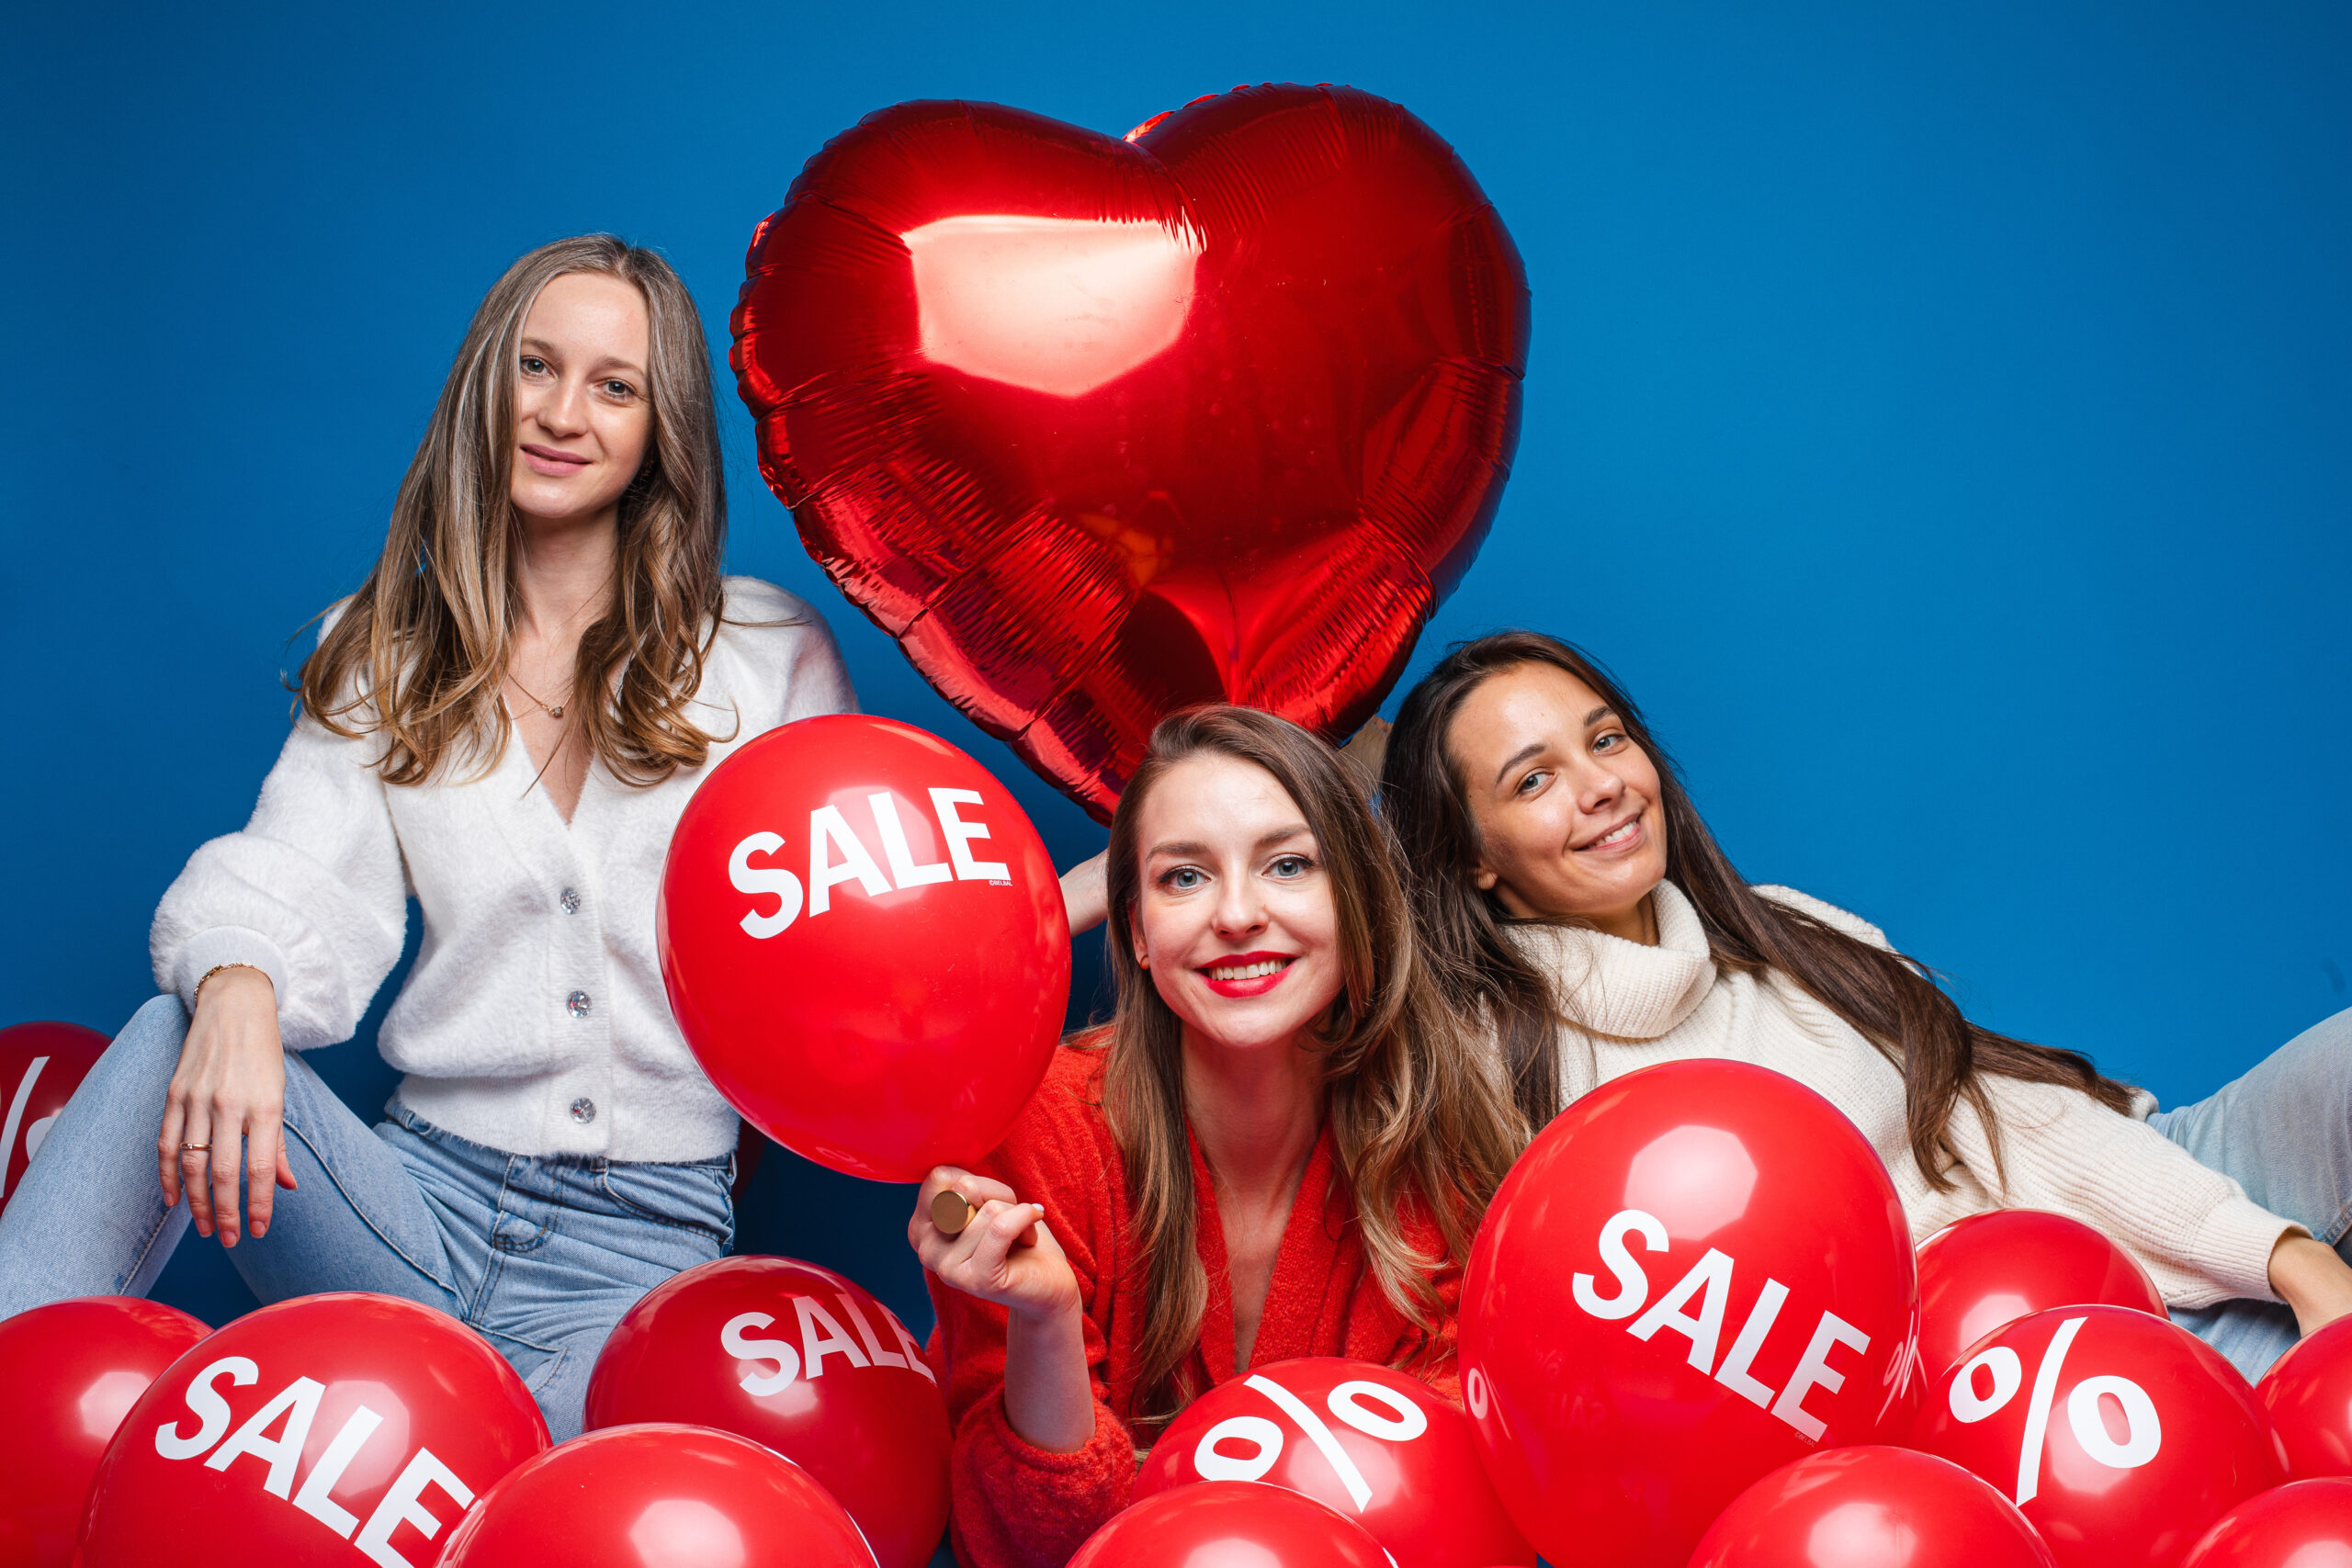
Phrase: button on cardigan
(1017,1505)
(1629,1006)
(534,1018)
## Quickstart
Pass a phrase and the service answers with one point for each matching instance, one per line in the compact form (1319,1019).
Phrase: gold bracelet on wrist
(196,996)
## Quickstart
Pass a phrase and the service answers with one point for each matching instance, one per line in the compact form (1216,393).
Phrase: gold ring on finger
(951,1211)
(196,1148)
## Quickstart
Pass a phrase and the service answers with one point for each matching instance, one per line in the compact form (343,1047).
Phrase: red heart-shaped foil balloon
(1100,428)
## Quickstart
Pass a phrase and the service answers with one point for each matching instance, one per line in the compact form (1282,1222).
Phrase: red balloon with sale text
(72,1370)
(1374,1445)
(864,944)
(1100,427)
(1987,1270)
(2307,1395)
(1229,1524)
(41,1067)
(1870,1507)
(2121,1437)
(799,1359)
(1698,1273)
(330,1429)
(658,1496)
(2304,1524)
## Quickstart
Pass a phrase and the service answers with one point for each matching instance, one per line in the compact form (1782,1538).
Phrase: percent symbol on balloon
(1401,1422)
(2144,1433)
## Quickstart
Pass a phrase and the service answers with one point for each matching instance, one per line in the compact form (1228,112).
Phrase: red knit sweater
(1019,1506)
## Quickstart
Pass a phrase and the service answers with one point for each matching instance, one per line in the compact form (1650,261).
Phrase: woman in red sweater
(1280,1147)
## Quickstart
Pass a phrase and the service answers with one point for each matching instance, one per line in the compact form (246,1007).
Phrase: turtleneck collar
(1624,989)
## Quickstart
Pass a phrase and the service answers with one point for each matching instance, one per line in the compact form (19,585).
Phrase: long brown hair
(1889,1000)
(1414,1120)
(419,653)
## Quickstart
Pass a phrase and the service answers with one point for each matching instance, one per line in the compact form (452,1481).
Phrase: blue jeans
(2284,1131)
(541,1256)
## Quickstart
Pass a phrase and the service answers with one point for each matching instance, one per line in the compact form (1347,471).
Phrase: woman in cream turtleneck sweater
(1573,890)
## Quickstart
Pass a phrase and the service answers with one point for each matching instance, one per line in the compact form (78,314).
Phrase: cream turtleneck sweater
(1630,1006)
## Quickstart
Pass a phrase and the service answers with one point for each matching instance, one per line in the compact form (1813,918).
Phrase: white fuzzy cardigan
(534,1020)
(1631,1005)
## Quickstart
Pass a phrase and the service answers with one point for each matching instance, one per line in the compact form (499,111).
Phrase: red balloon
(1986,1272)
(2120,1435)
(799,1358)
(70,1371)
(658,1496)
(1097,428)
(2305,1524)
(41,1067)
(1374,1445)
(1229,1524)
(2308,1393)
(338,1428)
(893,1010)
(1696,1274)
(1849,1507)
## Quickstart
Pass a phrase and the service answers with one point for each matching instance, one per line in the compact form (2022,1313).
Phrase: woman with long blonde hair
(1280,1147)
(505,724)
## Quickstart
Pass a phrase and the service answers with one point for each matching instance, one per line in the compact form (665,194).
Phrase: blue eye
(1184,879)
(1288,866)
(621,389)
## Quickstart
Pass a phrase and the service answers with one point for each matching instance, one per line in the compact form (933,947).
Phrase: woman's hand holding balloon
(1086,894)
(1005,1253)
(227,1096)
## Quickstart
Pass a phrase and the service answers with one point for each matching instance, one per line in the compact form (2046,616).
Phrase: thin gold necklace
(555,712)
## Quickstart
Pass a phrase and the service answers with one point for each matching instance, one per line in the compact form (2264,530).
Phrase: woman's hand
(1004,1254)
(229,1092)
(2310,1278)
(1086,894)
(1007,1256)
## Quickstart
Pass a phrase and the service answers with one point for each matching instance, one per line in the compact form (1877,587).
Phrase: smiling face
(584,409)
(1567,806)
(1233,914)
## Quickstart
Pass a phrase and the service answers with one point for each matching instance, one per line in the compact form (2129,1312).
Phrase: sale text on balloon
(1370,1408)
(293,1411)
(1709,1281)
(2000,1373)
(836,856)
(822,1336)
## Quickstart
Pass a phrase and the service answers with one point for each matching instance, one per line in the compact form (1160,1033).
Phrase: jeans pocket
(695,1196)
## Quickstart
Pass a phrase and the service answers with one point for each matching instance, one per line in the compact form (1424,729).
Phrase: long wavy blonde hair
(1415,1121)
(420,652)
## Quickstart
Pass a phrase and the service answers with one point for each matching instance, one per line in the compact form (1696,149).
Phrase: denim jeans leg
(2284,1132)
(358,1219)
(89,1218)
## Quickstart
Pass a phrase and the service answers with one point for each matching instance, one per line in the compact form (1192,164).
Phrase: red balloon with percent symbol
(1865,1508)
(1374,1445)
(71,1370)
(1698,1273)
(1229,1524)
(2120,1435)
(1987,1270)
(864,944)
(657,1497)
(2308,1395)
(1102,427)
(2304,1524)
(41,1067)
(324,1431)
(801,1360)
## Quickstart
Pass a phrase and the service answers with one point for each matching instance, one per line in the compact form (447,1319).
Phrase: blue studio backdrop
(1936,415)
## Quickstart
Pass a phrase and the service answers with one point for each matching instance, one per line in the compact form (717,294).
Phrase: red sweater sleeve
(1017,1505)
